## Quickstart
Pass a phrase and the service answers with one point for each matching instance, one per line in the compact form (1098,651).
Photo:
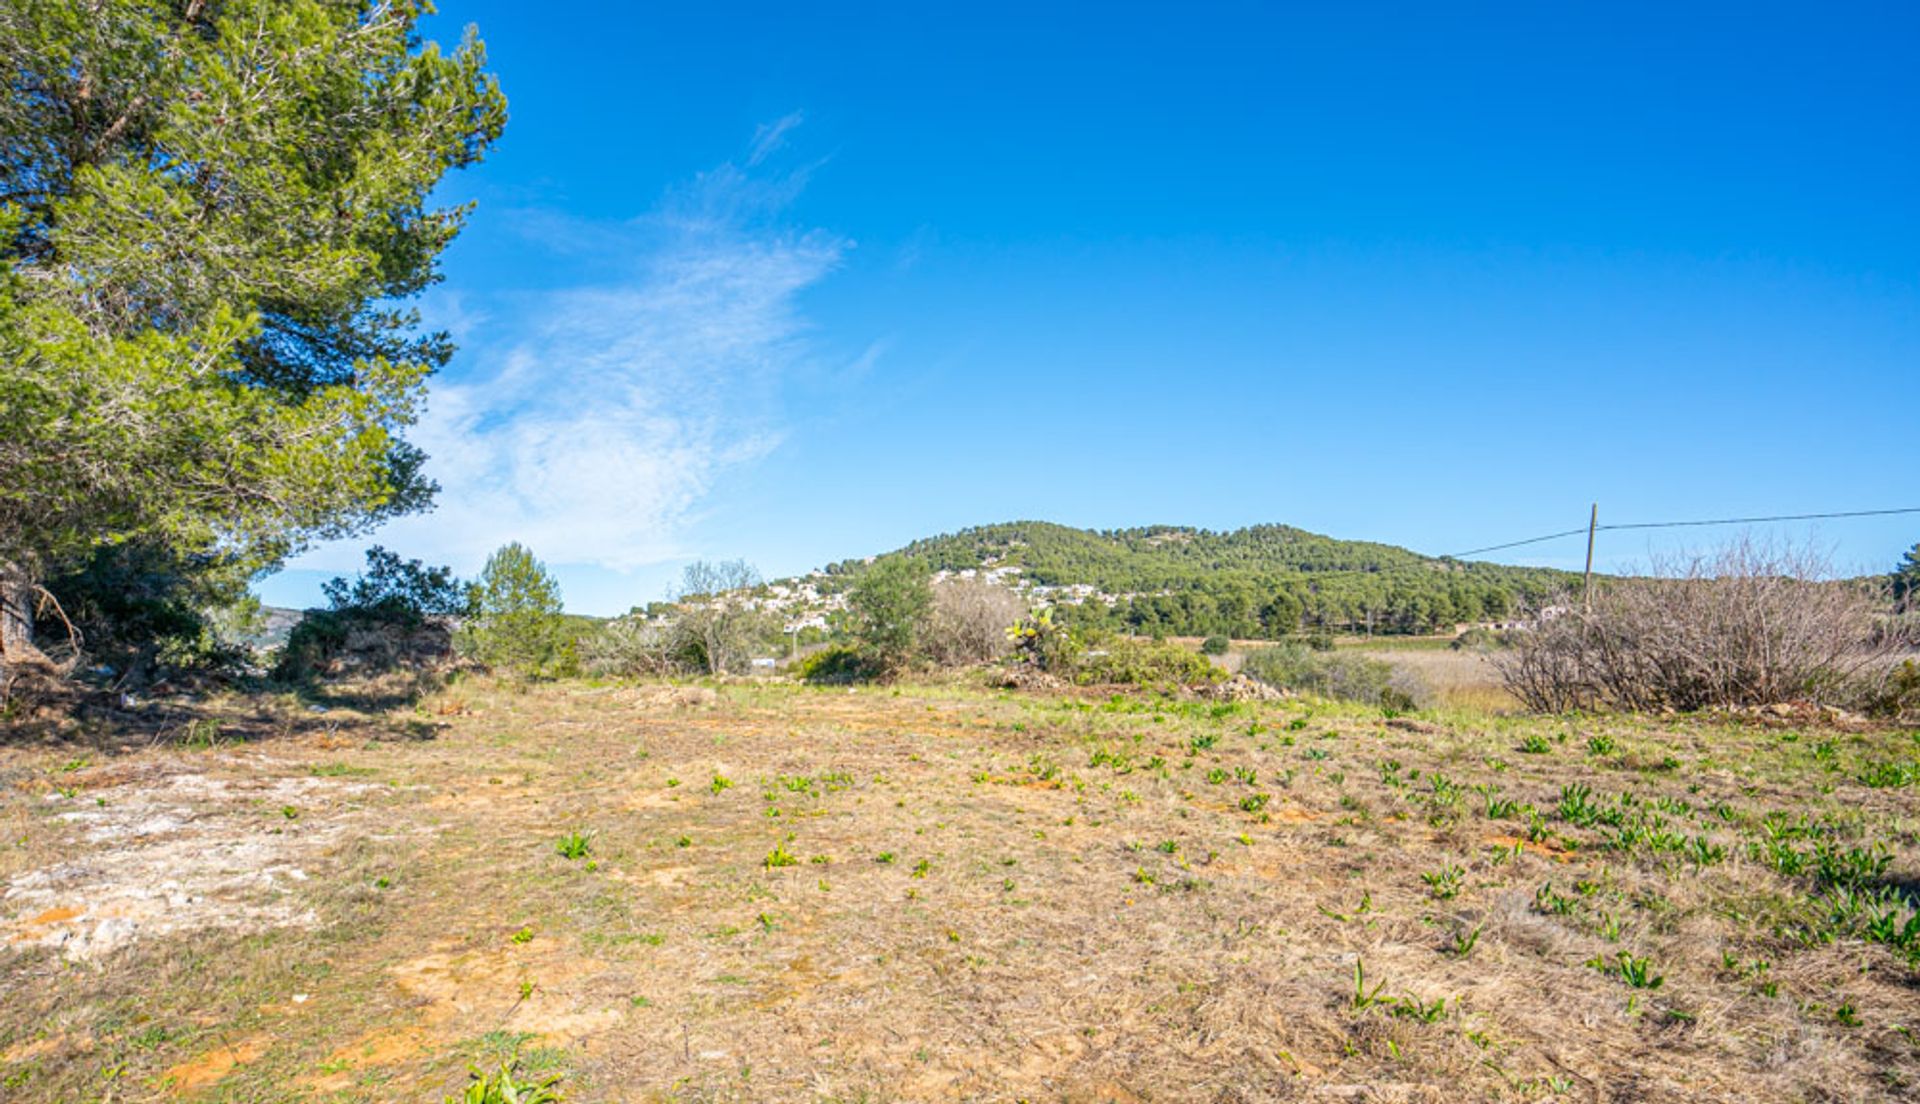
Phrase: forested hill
(1262,581)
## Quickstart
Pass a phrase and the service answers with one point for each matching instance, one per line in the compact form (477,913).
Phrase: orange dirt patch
(449,986)
(190,1077)
(457,992)
(375,1048)
(23,1052)
(54,916)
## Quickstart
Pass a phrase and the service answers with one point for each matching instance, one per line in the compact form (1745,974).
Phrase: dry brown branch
(75,638)
(1751,624)
(969,621)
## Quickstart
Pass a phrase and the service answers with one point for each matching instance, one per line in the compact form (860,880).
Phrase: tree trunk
(16,615)
(17,650)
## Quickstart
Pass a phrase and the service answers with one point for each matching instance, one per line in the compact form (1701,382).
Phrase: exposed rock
(185,851)
(1790,713)
(678,697)
(1025,676)
(1242,688)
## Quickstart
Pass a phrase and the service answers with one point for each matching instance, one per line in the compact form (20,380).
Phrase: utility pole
(1586,592)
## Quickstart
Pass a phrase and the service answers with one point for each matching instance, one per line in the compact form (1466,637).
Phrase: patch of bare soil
(188,1078)
(455,991)
(172,851)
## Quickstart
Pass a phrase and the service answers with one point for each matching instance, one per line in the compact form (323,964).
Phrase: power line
(1514,544)
(1681,524)
(1756,520)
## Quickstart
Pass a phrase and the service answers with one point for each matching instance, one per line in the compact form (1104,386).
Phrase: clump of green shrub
(398,609)
(889,605)
(150,611)
(1042,642)
(500,1087)
(1342,675)
(1899,695)
(1119,660)
(1215,645)
(839,665)
(1480,639)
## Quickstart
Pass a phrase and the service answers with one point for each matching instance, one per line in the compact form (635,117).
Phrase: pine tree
(1906,577)
(890,603)
(208,209)
(515,607)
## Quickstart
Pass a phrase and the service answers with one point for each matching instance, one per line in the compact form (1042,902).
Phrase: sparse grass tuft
(574,845)
(501,1087)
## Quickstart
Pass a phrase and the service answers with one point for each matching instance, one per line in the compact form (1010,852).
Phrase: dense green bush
(839,665)
(1899,695)
(1122,660)
(147,610)
(1342,675)
(397,590)
(400,607)
(1905,580)
(1215,645)
(312,643)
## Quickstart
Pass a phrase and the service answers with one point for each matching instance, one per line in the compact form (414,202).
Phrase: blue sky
(801,282)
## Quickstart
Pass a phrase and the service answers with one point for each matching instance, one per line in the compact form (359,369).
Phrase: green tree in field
(403,591)
(889,604)
(210,213)
(515,613)
(1906,577)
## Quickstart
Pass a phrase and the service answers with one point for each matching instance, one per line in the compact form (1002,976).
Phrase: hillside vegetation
(1260,582)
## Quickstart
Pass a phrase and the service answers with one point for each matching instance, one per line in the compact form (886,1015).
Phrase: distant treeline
(1262,582)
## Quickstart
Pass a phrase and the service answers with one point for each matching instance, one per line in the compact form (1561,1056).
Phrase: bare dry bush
(1344,675)
(718,626)
(970,620)
(1751,624)
(635,646)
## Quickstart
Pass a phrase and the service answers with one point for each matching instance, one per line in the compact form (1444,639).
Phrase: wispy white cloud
(594,419)
(769,137)
(453,312)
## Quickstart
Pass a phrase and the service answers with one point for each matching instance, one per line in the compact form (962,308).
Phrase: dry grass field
(1463,680)
(949,893)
